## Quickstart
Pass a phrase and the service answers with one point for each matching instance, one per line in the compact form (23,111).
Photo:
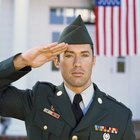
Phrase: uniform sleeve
(13,102)
(129,133)
(8,74)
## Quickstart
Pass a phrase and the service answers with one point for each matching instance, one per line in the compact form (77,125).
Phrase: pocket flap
(49,123)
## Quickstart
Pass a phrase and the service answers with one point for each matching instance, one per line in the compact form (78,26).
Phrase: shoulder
(44,87)
(112,103)
(115,101)
(46,84)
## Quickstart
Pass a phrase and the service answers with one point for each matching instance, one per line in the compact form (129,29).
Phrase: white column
(20,35)
(20,43)
(0,8)
(20,25)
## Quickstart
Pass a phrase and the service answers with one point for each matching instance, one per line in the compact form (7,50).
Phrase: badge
(59,93)
(106,136)
(52,113)
(52,108)
(100,101)
(106,129)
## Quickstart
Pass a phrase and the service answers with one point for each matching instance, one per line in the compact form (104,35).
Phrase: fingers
(58,49)
(55,49)
(49,52)
(50,45)
(54,52)
(43,48)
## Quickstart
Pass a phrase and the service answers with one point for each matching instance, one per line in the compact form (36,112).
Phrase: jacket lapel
(96,112)
(63,104)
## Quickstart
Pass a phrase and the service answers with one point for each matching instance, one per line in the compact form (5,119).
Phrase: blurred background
(29,23)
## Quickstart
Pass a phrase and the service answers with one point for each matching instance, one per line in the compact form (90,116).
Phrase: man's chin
(77,83)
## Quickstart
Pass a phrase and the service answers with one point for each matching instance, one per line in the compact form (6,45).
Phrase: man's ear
(56,62)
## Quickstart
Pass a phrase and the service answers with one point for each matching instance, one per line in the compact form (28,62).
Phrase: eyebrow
(73,52)
(69,52)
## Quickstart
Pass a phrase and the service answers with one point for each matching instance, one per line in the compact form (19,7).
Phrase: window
(70,15)
(56,16)
(55,37)
(67,15)
(121,65)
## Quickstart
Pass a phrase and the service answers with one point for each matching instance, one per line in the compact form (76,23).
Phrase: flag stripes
(118,29)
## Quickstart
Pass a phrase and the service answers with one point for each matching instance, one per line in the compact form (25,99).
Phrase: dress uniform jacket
(46,110)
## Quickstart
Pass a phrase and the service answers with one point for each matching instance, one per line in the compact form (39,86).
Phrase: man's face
(76,65)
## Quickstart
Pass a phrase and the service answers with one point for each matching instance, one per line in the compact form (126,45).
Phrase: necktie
(76,107)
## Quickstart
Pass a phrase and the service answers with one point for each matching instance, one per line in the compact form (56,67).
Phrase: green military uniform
(46,110)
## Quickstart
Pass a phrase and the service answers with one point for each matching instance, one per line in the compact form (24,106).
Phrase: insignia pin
(106,136)
(100,101)
(52,108)
(59,93)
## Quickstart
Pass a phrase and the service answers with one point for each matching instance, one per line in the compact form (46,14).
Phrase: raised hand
(36,57)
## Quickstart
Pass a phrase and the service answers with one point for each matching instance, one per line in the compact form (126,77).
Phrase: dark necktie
(76,107)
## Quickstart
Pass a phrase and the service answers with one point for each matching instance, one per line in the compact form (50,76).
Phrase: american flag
(117,27)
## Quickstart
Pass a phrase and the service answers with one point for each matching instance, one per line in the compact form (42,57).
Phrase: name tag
(52,113)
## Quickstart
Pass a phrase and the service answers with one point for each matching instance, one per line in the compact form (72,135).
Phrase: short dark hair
(92,48)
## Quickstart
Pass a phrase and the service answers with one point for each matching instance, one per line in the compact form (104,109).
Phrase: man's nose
(77,62)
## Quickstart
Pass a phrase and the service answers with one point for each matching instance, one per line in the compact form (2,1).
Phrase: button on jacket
(46,110)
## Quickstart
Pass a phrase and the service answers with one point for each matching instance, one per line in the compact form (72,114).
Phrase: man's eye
(85,55)
(68,55)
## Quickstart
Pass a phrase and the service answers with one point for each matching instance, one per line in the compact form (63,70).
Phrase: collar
(87,95)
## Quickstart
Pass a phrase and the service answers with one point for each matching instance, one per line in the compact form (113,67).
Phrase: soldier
(75,110)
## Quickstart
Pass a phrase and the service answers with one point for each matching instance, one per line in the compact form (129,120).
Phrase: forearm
(8,72)
(19,62)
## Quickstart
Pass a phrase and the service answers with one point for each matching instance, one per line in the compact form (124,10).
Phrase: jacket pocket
(96,136)
(48,123)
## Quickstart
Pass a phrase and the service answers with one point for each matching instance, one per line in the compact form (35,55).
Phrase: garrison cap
(76,33)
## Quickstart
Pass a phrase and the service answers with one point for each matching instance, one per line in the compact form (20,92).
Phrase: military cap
(76,33)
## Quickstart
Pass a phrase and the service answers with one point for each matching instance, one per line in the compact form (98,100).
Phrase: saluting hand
(36,57)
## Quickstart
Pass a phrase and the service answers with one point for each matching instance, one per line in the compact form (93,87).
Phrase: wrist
(19,62)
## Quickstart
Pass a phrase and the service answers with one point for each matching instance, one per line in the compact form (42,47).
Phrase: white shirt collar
(87,95)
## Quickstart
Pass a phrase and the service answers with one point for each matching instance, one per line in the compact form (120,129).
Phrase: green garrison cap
(76,33)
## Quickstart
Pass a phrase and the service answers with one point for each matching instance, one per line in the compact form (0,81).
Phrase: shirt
(87,97)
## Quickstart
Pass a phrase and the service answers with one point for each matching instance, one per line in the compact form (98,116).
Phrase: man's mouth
(77,73)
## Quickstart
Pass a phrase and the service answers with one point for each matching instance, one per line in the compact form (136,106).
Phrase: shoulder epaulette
(114,100)
(49,85)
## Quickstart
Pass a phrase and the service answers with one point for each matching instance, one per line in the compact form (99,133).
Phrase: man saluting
(75,110)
